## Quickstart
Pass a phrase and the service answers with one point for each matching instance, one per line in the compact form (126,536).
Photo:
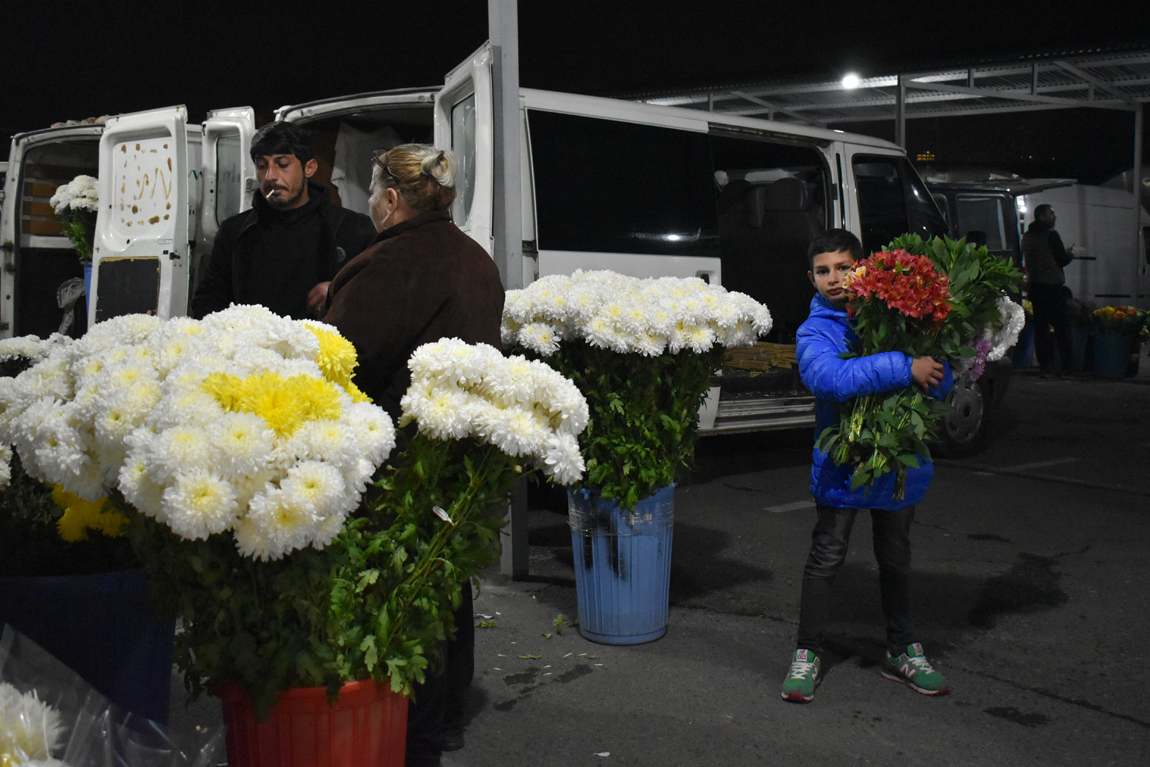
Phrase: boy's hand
(927,372)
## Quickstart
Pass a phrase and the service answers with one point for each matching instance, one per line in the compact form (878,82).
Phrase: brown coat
(420,281)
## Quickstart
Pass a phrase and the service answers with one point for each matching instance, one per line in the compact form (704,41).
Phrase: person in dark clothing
(1044,256)
(422,280)
(284,251)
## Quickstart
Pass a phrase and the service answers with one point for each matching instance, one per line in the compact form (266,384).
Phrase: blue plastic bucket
(1111,355)
(102,627)
(1024,347)
(622,566)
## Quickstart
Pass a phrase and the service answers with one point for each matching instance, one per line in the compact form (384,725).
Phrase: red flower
(907,283)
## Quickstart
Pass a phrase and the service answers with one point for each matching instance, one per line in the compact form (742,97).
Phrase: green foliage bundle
(644,415)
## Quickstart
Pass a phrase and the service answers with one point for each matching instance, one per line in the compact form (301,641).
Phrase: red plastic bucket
(365,727)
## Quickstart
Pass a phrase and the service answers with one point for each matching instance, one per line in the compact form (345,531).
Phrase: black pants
(439,702)
(1050,311)
(829,542)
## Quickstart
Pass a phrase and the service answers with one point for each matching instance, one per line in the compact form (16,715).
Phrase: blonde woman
(421,280)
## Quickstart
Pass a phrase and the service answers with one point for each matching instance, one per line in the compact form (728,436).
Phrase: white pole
(507,223)
(1136,186)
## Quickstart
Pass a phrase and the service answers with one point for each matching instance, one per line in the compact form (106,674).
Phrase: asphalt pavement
(1031,594)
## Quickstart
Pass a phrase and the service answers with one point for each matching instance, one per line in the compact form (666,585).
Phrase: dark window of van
(44,257)
(892,201)
(772,202)
(610,186)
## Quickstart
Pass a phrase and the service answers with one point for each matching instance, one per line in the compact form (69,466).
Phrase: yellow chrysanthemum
(337,358)
(80,516)
(284,403)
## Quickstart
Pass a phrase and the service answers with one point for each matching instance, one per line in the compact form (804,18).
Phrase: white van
(607,184)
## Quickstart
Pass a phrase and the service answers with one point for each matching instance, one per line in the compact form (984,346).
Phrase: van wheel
(965,431)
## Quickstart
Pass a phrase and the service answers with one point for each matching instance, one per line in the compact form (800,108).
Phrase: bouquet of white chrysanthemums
(243,423)
(642,351)
(75,203)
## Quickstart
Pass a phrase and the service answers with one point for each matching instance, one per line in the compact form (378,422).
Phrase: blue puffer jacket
(826,334)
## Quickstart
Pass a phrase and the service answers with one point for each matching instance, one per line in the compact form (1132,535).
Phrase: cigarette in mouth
(270,194)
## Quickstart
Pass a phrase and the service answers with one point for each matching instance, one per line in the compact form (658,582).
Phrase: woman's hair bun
(440,165)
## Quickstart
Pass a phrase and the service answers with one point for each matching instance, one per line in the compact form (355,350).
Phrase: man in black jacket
(283,252)
(1044,256)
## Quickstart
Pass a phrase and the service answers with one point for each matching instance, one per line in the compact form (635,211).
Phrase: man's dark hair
(832,241)
(1041,211)
(282,138)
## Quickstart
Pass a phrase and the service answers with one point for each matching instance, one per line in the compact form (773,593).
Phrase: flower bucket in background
(102,627)
(1081,347)
(1024,348)
(622,566)
(365,727)
(1111,355)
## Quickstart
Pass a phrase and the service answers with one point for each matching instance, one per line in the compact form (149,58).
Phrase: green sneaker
(803,678)
(914,670)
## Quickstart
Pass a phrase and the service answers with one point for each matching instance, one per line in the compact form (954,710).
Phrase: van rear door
(142,248)
(464,124)
(227,174)
(38,262)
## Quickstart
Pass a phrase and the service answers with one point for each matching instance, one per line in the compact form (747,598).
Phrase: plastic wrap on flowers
(50,716)
(243,422)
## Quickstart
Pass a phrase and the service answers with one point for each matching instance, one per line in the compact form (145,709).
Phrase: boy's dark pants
(829,543)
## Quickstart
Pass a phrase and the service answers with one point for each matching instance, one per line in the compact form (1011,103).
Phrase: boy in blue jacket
(821,339)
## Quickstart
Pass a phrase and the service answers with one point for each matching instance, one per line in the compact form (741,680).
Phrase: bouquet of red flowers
(938,299)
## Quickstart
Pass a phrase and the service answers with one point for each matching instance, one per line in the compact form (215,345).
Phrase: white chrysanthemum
(136,484)
(30,729)
(179,449)
(317,484)
(5,465)
(332,441)
(374,430)
(1012,318)
(275,525)
(562,459)
(540,337)
(245,443)
(198,503)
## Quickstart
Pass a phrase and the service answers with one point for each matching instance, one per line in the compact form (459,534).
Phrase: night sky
(63,65)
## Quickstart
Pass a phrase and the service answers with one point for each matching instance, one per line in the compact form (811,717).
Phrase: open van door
(38,264)
(141,254)
(464,124)
(228,174)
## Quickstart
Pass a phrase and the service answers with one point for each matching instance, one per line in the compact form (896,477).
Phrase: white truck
(607,184)
(1110,256)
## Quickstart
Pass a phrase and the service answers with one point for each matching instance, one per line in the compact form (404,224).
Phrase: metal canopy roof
(1118,81)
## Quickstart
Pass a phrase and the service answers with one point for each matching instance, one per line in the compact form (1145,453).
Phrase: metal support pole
(1136,187)
(507,223)
(900,115)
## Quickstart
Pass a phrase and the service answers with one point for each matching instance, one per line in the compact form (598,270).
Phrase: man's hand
(927,372)
(316,298)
